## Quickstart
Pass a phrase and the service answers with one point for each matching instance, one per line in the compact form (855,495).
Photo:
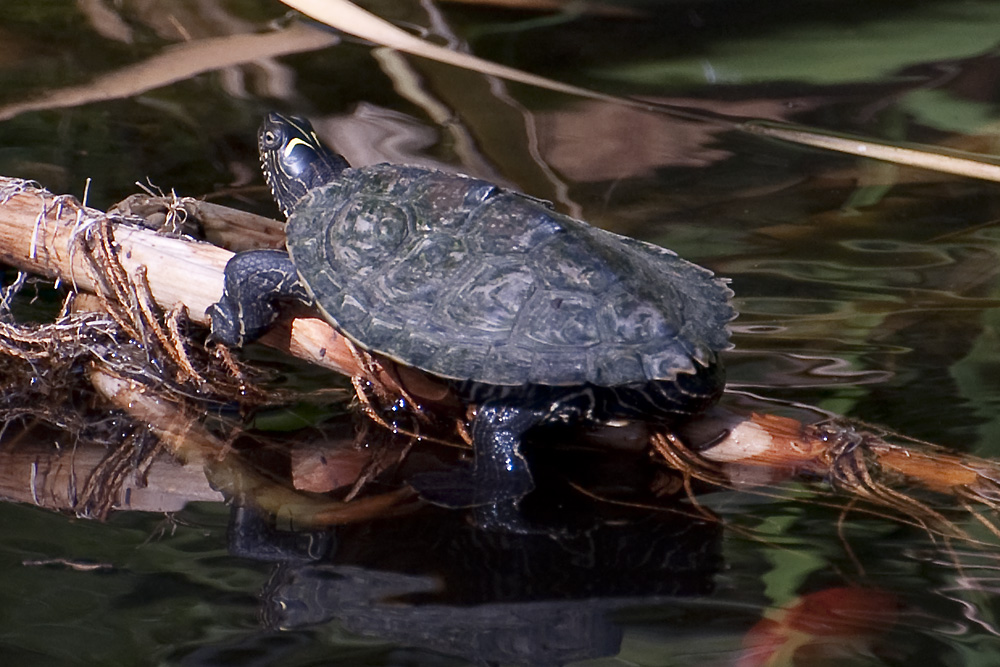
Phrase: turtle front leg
(256,281)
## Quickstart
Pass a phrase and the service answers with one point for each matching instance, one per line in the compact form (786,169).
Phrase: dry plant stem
(680,457)
(226,357)
(851,472)
(177,315)
(924,157)
(361,392)
(179,63)
(353,20)
(689,464)
(989,525)
(372,372)
(384,381)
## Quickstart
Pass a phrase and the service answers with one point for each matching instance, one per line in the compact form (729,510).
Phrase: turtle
(531,316)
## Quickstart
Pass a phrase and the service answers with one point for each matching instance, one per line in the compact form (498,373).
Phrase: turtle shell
(470,282)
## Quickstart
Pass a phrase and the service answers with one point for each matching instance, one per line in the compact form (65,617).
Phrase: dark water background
(865,289)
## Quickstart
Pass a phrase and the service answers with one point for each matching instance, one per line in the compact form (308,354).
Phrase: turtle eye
(271,139)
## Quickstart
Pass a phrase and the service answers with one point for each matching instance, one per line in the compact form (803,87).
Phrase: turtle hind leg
(256,281)
(500,475)
(500,469)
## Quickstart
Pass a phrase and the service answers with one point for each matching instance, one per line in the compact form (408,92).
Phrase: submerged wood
(782,443)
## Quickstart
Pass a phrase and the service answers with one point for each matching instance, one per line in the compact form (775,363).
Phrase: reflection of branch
(178,63)
(188,439)
(36,472)
(104,21)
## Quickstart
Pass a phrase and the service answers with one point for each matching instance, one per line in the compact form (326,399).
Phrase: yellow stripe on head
(292,143)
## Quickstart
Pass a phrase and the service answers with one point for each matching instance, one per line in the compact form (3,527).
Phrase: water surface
(866,290)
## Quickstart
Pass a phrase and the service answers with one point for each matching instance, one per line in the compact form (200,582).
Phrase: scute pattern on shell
(465,280)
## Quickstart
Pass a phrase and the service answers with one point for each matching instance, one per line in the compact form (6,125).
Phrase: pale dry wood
(40,236)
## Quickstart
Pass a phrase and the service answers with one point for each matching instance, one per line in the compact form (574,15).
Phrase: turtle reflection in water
(530,315)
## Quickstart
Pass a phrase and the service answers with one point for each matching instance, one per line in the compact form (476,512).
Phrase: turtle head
(294,160)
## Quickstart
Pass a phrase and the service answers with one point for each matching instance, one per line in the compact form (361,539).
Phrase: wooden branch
(219,225)
(788,447)
(42,234)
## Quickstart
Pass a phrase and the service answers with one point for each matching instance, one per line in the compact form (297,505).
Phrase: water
(865,290)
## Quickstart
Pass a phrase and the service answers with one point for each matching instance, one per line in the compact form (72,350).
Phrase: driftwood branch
(43,234)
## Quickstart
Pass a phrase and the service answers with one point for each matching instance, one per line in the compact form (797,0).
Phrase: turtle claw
(225,323)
